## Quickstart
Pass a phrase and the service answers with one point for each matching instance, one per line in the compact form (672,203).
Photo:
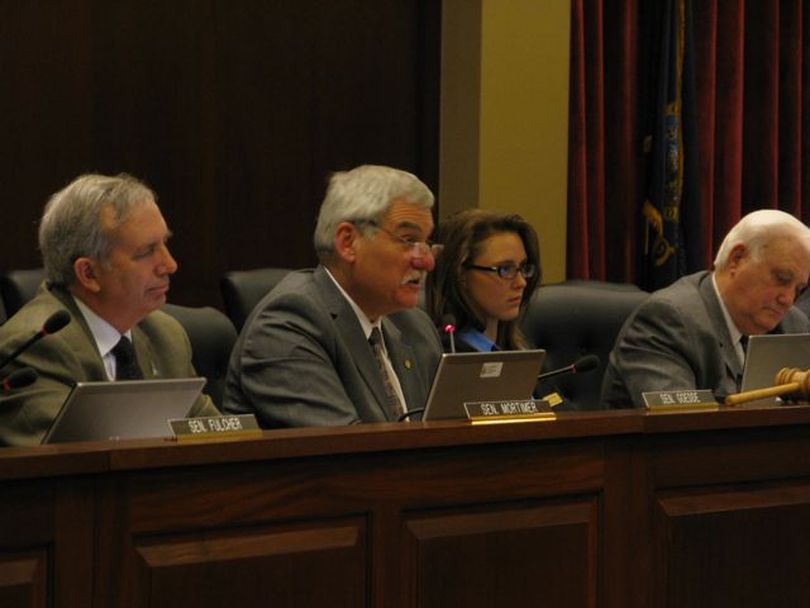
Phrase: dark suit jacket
(302,359)
(678,339)
(71,355)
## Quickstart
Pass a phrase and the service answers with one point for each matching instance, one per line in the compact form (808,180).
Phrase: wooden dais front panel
(312,566)
(615,510)
(383,529)
(23,580)
(540,555)
(735,546)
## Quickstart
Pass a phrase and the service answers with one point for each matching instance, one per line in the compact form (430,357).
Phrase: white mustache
(416,275)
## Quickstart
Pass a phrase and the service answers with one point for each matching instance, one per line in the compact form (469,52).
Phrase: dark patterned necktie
(126,365)
(393,404)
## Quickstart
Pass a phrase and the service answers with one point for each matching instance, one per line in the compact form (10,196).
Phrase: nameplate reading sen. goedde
(241,426)
(497,412)
(680,401)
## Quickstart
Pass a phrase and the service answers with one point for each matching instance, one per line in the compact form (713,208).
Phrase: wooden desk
(618,509)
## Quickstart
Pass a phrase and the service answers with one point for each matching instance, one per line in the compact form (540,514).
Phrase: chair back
(17,287)
(576,318)
(212,337)
(242,290)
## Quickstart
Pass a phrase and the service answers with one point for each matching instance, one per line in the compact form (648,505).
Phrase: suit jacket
(803,303)
(70,355)
(678,339)
(302,358)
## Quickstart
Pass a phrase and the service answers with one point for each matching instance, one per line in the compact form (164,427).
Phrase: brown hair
(462,235)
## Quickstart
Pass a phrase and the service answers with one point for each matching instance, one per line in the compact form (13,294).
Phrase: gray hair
(364,194)
(71,227)
(757,230)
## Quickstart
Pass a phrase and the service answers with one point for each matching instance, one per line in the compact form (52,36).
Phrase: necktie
(126,365)
(744,344)
(393,404)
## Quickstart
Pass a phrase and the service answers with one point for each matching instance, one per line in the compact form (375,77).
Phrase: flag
(671,240)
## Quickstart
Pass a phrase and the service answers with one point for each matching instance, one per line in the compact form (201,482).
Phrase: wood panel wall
(234,112)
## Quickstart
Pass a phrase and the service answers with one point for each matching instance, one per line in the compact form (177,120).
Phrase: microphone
(19,379)
(449,328)
(52,325)
(581,365)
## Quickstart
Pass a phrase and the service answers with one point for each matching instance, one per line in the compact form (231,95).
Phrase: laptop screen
(769,353)
(461,378)
(129,409)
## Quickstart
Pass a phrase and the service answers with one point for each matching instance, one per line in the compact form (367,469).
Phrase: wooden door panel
(318,565)
(24,580)
(543,555)
(740,546)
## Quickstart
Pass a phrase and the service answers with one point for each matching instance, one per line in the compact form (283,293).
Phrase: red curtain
(753,82)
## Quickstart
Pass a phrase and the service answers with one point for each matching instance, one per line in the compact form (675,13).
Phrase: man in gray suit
(104,246)
(692,334)
(344,343)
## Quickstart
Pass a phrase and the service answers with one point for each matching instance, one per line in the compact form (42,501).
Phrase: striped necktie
(393,404)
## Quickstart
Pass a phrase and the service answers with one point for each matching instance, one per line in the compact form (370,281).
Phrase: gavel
(788,381)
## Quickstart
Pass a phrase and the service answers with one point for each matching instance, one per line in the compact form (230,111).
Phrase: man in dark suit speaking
(104,246)
(344,343)
(691,335)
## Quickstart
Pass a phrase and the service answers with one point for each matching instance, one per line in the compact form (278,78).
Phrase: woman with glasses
(484,277)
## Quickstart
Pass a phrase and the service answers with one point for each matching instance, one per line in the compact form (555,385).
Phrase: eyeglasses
(417,249)
(507,271)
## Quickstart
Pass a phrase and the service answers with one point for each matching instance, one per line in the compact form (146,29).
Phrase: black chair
(242,290)
(18,287)
(576,318)
(212,336)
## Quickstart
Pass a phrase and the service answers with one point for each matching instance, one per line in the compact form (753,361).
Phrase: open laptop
(461,378)
(769,353)
(128,409)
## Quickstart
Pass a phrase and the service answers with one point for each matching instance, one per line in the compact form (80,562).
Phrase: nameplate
(680,401)
(241,426)
(492,412)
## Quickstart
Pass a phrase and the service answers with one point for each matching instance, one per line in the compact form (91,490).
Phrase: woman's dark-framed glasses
(507,271)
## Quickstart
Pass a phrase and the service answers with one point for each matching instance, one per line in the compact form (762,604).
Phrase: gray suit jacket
(302,358)
(678,339)
(70,355)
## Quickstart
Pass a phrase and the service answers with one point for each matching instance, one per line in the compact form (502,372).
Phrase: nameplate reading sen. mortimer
(495,412)
(241,426)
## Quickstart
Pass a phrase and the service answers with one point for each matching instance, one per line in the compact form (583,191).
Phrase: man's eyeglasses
(417,249)
(507,271)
